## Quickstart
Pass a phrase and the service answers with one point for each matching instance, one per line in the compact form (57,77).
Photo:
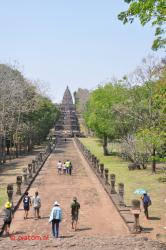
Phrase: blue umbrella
(140,191)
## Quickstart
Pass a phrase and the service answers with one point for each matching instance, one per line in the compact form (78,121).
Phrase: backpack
(75,206)
(8,215)
(146,200)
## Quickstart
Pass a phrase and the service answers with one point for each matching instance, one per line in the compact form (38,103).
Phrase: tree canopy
(149,11)
(131,113)
(26,115)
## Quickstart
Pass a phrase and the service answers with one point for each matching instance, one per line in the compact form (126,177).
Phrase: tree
(25,115)
(99,115)
(153,11)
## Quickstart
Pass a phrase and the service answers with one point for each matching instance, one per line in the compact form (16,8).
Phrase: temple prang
(67,124)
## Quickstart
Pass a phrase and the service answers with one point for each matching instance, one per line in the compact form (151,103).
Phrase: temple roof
(67,97)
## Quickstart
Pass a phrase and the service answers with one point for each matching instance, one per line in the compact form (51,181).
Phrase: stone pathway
(100,225)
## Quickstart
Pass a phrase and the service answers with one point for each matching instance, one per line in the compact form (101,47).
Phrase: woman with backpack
(55,219)
(8,217)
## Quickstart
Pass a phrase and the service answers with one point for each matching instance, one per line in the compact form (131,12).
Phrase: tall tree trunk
(154,161)
(29,145)
(16,150)
(105,144)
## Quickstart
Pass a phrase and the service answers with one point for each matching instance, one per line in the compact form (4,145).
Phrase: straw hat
(8,204)
(56,203)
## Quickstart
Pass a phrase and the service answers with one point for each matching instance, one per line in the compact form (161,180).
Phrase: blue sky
(79,43)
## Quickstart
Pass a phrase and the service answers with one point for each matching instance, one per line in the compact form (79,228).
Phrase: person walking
(67,166)
(26,204)
(36,201)
(55,219)
(59,167)
(64,168)
(70,169)
(146,203)
(8,217)
(75,206)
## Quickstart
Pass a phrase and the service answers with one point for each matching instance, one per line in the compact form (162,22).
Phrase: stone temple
(67,124)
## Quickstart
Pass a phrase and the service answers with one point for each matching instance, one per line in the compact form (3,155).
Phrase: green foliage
(26,116)
(134,114)
(153,11)
(41,120)
(100,115)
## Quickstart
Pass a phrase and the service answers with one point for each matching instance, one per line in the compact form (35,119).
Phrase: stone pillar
(101,169)
(95,160)
(136,212)
(18,182)
(30,170)
(41,156)
(112,179)
(98,166)
(49,148)
(121,194)
(92,160)
(25,176)
(34,166)
(106,175)
(10,192)
(89,155)
(97,163)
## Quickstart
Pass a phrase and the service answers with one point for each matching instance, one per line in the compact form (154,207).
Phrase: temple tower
(67,124)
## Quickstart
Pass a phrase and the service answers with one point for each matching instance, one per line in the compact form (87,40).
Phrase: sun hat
(56,203)
(8,204)
(74,198)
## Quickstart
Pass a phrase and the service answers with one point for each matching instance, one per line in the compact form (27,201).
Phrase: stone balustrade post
(121,194)
(10,192)
(25,174)
(94,161)
(40,156)
(18,183)
(136,212)
(97,163)
(30,170)
(106,171)
(98,166)
(112,180)
(101,169)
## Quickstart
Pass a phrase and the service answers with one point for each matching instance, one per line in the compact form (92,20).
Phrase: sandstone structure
(67,124)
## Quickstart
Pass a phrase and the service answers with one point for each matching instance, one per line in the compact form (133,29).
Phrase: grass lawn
(132,179)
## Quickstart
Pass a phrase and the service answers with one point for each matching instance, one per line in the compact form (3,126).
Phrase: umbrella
(140,191)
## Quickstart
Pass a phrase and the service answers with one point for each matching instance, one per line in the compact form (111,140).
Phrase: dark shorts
(74,217)
(26,208)
(7,223)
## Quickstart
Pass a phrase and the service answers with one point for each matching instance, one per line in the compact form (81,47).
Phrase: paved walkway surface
(100,225)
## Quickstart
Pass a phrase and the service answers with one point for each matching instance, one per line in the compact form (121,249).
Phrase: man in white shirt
(59,167)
